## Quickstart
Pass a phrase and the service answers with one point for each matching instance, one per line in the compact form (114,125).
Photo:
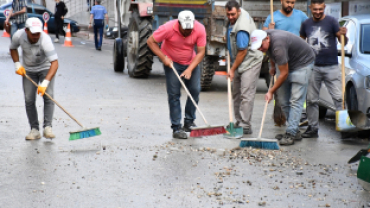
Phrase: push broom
(207,130)
(260,142)
(74,135)
(233,132)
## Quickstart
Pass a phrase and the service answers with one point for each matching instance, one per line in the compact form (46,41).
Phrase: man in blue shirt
(287,18)
(245,63)
(98,12)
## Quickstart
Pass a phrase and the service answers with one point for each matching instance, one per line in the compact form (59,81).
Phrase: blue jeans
(293,93)
(98,27)
(173,86)
(15,27)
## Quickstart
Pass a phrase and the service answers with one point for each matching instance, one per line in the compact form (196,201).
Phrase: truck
(147,16)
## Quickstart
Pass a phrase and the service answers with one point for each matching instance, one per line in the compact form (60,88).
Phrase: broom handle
(55,102)
(272,10)
(187,92)
(343,73)
(264,112)
(229,89)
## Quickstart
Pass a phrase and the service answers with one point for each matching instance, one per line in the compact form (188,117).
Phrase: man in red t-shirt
(178,38)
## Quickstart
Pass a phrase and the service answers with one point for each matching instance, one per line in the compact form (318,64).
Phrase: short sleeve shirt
(322,37)
(36,57)
(18,6)
(242,40)
(291,24)
(179,48)
(286,47)
(98,11)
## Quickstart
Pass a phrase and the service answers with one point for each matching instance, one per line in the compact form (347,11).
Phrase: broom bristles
(207,131)
(260,144)
(84,134)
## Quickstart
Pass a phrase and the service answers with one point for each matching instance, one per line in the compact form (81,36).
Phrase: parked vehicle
(36,10)
(357,65)
(146,17)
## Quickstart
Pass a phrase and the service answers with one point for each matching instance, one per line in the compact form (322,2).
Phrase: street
(137,163)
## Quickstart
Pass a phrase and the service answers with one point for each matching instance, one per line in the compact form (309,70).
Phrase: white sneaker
(34,134)
(48,133)
(56,40)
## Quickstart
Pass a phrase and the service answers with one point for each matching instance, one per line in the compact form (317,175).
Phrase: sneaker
(288,139)
(247,130)
(48,133)
(279,136)
(56,40)
(34,134)
(311,133)
(179,134)
(298,136)
(187,127)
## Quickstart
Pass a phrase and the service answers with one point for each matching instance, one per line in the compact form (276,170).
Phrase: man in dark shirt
(60,11)
(321,32)
(295,59)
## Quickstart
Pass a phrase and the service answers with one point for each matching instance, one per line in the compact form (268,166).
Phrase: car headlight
(149,10)
(115,29)
(76,23)
(367,82)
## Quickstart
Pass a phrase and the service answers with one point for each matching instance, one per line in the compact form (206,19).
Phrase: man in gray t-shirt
(295,59)
(40,63)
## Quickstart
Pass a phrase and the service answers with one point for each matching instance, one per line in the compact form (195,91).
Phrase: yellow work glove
(19,69)
(42,88)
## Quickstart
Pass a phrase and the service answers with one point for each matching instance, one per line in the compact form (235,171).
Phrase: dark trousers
(98,27)
(59,27)
(173,92)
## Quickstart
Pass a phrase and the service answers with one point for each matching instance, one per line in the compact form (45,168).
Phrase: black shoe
(179,134)
(99,49)
(247,130)
(187,127)
(311,133)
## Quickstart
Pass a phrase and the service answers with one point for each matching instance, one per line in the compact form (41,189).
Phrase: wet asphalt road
(137,163)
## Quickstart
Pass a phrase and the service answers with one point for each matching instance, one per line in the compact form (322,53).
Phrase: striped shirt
(38,56)
(17,6)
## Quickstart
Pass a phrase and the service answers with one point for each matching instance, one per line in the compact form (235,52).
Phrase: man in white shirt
(40,63)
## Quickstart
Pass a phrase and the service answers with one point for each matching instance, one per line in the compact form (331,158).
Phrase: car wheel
(322,112)
(118,55)
(352,99)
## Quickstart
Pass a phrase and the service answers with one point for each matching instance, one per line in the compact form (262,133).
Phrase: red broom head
(209,131)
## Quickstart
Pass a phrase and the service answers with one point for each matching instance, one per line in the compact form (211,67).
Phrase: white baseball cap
(257,37)
(186,19)
(34,25)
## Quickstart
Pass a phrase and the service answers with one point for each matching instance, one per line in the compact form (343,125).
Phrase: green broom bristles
(84,133)
(270,144)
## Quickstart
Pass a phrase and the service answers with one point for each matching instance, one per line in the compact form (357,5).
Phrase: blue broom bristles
(260,144)
(84,134)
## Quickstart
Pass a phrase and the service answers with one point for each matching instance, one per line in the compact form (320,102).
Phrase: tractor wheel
(207,70)
(139,56)
(118,55)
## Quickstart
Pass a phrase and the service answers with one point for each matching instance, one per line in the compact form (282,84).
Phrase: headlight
(76,23)
(367,82)
(115,29)
(149,10)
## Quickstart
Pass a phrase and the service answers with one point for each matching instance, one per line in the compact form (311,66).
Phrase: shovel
(342,120)
(232,131)
(357,157)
